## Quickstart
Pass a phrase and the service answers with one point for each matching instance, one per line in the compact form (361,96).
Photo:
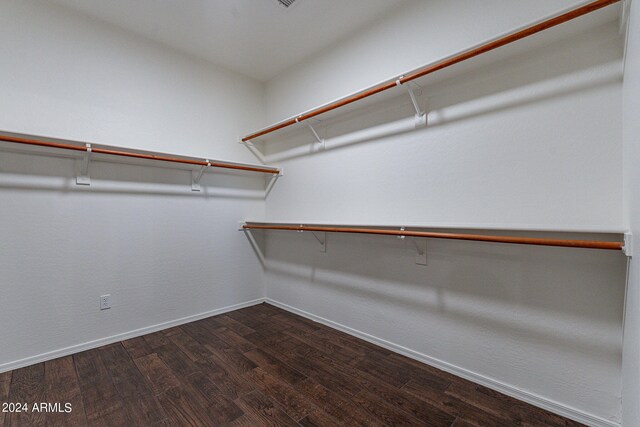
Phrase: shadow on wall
(499,81)
(57,172)
(535,294)
(583,62)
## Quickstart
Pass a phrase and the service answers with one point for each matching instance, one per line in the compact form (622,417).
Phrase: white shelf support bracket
(421,250)
(322,241)
(254,150)
(197,175)
(257,244)
(272,181)
(313,131)
(83,177)
(624,15)
(414,99)
(401,237)
(627,249)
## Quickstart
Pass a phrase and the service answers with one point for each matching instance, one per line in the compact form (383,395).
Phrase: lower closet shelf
(402,232)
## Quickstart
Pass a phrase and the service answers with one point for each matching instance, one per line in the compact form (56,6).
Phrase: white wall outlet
(105,302)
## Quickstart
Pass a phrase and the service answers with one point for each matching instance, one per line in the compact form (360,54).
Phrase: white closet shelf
(534,228)
(100,149)
(419,231)
(415,75)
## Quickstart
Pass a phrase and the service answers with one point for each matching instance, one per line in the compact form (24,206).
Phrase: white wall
(138,232)
(74,78)
(415,34)
(631,134)
(531,140)
(521,142)
(541,321)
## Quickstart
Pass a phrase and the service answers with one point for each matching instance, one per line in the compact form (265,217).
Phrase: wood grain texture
(5,384)
(259,366)
(102,403)
(137,347)
(27,386)
(263,411)
(140,405)
(63,388)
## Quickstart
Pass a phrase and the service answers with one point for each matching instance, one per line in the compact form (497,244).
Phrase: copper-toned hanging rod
(589,244)
(452,60)
(28,141)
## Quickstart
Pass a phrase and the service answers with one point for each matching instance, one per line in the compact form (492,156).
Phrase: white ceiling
(258,38)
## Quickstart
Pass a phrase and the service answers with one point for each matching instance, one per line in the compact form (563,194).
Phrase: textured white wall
(138,233)
(413,35)
(74,78)
(530,140)
(631,134)
(534,142)
(545,321)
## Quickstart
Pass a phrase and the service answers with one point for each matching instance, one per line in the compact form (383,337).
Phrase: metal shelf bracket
(271,182)
(257,244)
(254,150)
(624,15)
(412,95)
(197,175)
(316,235)
(322,241)
(627,249)
(420,246)
(313,131)
(83,177)
(421,250)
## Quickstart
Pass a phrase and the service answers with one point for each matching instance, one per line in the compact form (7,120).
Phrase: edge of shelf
(42,150)
(394,79)
(539,228)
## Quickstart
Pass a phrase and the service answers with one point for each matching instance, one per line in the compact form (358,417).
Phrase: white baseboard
(120,337)
(533,399)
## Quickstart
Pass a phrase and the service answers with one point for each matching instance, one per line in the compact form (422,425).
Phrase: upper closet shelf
(500,227)
(90,150)
(149,155)
(458,57)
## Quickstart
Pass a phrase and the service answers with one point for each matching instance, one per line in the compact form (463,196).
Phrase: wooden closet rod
(459,57)
(589,244)
(27,141)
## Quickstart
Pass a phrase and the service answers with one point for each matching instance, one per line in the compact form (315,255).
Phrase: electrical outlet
(105,302)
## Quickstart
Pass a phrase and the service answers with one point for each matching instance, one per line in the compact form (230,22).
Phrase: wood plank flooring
(252,367)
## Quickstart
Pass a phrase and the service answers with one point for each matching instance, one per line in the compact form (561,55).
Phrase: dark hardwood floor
(255,366)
